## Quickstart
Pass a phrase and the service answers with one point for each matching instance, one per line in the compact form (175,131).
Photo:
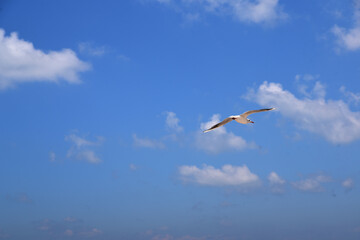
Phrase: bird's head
(249,121)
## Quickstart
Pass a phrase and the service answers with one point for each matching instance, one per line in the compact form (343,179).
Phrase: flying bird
(242,118)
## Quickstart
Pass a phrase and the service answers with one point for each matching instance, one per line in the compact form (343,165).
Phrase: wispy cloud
(259,12)
(147,143)
(331,119)
(311,184)
(90,49)
(351,96)
(349,39)
(227,175)
(52,156)
(20,62)
(219,140)
(83,149)
(68,227)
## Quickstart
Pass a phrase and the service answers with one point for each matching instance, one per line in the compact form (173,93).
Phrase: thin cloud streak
(258,12)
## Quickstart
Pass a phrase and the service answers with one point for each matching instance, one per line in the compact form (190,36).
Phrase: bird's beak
(251,121)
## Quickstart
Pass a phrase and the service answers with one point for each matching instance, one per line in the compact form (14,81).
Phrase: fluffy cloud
(349,38)
(20,62)
(147,143)
(311,184)
(219,140)
(331,119)
(83,149)
(228,175)
(252,11)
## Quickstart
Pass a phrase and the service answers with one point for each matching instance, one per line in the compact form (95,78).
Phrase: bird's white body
(242,118)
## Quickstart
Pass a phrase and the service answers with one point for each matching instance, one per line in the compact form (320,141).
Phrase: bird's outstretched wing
(225,121)
(245,114)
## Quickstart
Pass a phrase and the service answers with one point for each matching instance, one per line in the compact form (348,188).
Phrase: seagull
(242,118)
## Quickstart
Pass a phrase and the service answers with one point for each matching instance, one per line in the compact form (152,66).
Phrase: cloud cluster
(250,11)
(331,119)
(20,62)
(83,149)
(214,142)
(227,175)
(349,38)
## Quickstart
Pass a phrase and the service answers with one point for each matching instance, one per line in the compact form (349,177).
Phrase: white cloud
(311,184)
(252,11)
(20,62)
(219,140)
(348,183)
(172,122)
(331,119)
(349,38)
(90,49)
(82,149)
(147,143)
(228,175)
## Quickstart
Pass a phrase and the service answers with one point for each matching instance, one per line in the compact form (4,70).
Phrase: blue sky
(103,104)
